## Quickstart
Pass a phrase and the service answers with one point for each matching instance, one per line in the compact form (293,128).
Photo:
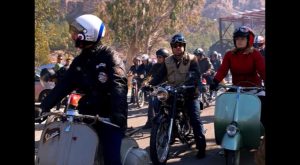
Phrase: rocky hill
(220,8)
(212,8)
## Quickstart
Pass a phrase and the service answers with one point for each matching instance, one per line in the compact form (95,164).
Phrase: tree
(140,26)
(44,12)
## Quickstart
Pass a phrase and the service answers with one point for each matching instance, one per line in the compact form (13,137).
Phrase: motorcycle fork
(172,115)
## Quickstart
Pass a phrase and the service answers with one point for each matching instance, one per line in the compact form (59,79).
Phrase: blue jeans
(193,110)
(111,139)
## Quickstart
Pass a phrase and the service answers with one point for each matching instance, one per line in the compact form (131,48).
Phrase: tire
(43,95)
(159,143)
(232,157)
(140,99)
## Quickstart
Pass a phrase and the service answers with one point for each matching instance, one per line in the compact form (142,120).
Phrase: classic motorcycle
(70,139)
(137,94)
(237,121)
(171,122)
(205,93)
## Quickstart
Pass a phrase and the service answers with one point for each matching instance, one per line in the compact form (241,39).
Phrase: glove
(119,120)
(213,86)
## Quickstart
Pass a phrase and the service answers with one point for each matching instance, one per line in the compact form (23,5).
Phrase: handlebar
(241,88)
(79,116)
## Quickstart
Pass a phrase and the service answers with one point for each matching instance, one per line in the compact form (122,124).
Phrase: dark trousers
(193,109)
(111,139)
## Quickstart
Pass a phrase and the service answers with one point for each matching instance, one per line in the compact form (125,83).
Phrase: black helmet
(199,52)
(244,31)
(178,38)
(162,52)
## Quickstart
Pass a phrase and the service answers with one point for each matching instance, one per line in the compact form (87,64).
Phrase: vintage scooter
(70,139)
(237,121)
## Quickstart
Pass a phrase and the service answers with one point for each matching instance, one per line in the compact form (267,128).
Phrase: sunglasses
(175,45)
(75,27)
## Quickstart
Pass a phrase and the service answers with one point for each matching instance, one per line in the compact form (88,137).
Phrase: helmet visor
(76,27)
(242,29)
(179,39)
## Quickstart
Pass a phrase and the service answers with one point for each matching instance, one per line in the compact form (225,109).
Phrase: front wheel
(232,157)
(159,141)
(140,99)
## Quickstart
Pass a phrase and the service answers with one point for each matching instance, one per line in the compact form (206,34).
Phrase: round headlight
(162,94)
(231,130)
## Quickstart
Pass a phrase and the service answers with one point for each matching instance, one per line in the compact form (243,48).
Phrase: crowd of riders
(102,76)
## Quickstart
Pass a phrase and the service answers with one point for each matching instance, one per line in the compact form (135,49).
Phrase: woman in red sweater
(245,63)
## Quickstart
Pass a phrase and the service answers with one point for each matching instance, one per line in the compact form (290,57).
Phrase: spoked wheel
(232,157)
(159,141)
(140,99)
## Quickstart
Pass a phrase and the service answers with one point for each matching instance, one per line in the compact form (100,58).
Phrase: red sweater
(249,66)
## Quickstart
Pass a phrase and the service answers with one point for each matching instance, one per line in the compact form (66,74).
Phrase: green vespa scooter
(237,121)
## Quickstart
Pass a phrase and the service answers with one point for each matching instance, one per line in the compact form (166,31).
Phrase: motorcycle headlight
(231,130)
(162,94)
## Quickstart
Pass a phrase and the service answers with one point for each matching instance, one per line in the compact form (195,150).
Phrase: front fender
(232,143)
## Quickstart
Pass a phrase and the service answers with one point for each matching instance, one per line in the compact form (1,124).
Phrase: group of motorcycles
(236,125)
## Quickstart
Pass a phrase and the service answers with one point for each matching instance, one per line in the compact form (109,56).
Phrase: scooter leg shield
(232,143)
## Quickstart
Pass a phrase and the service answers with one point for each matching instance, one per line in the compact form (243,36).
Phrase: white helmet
(145,57)
(259,39)
(89,28)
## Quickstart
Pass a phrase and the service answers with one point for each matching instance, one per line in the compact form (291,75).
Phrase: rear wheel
(232,157)
(159,141)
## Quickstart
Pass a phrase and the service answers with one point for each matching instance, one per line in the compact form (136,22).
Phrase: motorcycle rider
(100,74)
(161,54)
(182,67)
(259,43)
(215,60)
(58,63)
(206,69)
(245,63)
(133,71)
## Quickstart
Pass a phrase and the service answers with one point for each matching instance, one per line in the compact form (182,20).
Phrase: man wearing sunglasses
(182,68)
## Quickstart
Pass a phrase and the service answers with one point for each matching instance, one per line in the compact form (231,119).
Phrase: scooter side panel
(49,144)
(84,144)
(77,146)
